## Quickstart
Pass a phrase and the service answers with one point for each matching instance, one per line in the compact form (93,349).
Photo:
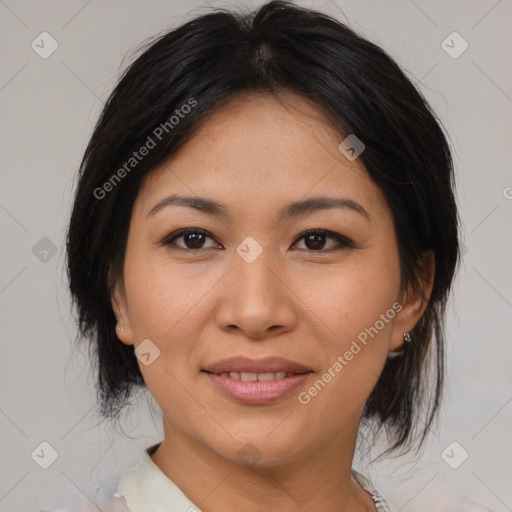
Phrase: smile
(256,388)
(260,377)
(256,381)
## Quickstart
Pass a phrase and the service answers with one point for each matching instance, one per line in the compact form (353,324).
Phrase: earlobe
(122,329)
(413,307)
(414,303)
(124,335)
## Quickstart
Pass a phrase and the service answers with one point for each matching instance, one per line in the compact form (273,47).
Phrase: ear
(120,307)
(414,302)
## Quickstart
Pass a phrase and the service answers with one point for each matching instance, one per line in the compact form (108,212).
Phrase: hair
(277,48)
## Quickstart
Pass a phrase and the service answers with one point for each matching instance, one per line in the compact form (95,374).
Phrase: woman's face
(253,286)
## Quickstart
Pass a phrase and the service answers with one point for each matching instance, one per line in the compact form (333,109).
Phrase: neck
(215,483)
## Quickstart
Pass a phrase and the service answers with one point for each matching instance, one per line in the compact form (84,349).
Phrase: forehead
(258,146)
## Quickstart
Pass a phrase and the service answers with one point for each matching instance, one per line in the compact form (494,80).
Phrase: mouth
(260,377)
(277,366)
(256,382)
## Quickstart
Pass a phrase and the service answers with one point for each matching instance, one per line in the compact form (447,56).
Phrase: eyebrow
(294,209)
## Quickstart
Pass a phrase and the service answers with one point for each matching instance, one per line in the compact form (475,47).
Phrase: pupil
(194,240)
(318,244)
(313,241)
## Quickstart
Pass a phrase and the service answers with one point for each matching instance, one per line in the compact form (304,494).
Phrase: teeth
(265,376)
(253,377)
(247,377)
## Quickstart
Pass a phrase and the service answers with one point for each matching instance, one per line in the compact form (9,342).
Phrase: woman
(265,235)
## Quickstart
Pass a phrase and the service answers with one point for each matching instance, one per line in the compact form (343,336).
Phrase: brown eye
(192,239)
(315,240)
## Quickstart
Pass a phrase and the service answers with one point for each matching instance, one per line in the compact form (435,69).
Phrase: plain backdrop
(48,108)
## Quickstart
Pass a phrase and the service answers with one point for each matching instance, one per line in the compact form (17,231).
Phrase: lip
(245,364)
(256,392)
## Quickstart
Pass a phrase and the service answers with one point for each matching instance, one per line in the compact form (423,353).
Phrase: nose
(256,300)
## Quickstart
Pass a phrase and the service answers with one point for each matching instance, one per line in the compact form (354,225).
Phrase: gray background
(48,109)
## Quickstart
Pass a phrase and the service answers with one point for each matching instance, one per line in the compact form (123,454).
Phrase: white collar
(147,489)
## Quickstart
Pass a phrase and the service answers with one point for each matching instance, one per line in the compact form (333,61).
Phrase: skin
(198,305)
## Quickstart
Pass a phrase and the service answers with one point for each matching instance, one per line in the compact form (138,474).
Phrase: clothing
(145,488)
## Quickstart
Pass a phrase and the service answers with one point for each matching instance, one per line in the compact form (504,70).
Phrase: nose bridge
(255,278)
(256,298)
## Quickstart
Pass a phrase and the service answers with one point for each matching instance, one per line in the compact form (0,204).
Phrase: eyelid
(343,241)
(169,239)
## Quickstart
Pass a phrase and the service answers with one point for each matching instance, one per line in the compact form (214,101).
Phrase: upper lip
(265,365)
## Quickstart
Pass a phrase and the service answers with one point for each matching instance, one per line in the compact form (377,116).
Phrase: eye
(315,240)
(193,238)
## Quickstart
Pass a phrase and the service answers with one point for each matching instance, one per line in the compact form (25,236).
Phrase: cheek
(352,297)
(167,306)
(358,306)
(163,307)
(162,296)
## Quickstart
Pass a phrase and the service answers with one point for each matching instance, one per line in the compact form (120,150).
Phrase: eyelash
(343,242)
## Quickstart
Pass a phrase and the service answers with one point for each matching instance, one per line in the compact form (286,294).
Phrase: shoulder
(440,497)
(100,495)
(381,504)
(442,494)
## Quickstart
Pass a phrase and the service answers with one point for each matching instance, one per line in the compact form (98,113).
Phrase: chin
(260,451)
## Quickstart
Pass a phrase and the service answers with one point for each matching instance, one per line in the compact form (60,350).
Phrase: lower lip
(256,392)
